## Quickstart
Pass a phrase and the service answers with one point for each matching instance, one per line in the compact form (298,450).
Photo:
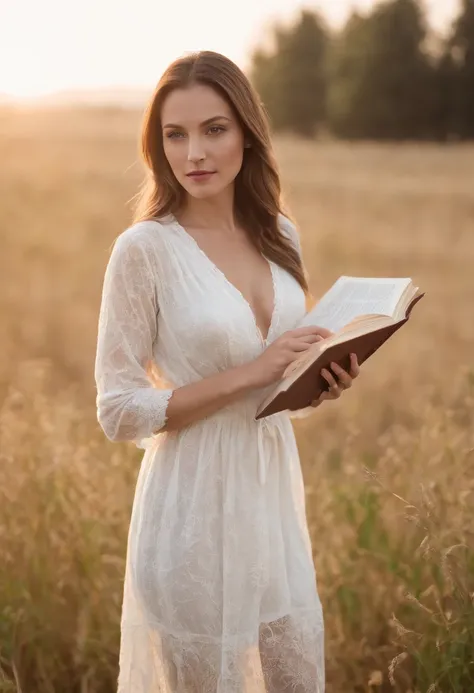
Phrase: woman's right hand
(270,366)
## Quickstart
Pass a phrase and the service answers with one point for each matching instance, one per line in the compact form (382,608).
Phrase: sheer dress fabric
(220,592)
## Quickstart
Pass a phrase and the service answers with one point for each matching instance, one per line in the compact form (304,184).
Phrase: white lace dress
(220,591)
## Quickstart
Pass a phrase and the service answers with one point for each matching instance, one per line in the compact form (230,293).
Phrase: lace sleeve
(128,406)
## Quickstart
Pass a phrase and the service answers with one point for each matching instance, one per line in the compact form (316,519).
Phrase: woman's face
(201,133)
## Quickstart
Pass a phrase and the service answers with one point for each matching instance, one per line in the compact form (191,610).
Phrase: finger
(297,346)
(333,386)
(333,393)
(312,330)
(355,368)
(328,376)
(343,376)
(303,344)
(310,340)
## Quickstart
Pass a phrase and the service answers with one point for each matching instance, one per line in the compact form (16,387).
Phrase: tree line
(384,75)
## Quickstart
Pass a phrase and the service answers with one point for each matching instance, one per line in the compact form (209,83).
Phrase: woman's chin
(201,192)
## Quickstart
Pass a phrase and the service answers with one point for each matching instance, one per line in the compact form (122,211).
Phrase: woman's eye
(216,129)
(173,134)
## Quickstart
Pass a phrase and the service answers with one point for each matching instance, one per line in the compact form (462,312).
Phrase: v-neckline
(231,285)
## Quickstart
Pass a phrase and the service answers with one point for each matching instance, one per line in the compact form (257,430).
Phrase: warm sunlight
(115,43)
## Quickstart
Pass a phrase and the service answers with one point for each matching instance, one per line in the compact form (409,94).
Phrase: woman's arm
(128,406)
(193,402)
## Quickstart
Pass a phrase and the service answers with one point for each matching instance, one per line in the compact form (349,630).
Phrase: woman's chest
(203,313)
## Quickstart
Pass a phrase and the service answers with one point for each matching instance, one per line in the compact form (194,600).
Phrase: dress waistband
(268,431)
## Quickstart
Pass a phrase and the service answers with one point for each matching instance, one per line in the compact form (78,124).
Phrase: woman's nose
(196,150)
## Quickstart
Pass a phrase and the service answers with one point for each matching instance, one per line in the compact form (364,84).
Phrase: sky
(48,46)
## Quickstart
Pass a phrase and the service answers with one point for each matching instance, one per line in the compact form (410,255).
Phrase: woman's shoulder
(285,223)
(288,227)
(145,234)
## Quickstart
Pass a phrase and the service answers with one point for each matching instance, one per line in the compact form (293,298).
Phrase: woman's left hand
(344,382)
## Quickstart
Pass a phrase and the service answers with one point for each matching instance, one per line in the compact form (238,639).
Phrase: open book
(362,312)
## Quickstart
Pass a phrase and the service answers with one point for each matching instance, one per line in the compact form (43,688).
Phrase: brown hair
(257,185)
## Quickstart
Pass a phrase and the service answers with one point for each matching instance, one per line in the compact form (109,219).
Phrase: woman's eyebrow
(205,122)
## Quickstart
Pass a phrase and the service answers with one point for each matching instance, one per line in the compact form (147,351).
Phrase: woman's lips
(205,175)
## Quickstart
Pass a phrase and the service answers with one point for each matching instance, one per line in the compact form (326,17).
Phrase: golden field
(389,468)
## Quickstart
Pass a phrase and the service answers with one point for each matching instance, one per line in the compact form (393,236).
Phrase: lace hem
(283,655)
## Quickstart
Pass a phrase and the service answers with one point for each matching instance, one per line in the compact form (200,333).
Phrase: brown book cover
(311,383)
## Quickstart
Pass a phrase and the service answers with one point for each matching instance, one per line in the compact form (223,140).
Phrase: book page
(351,297)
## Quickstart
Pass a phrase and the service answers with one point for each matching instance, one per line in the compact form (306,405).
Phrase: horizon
(109,47)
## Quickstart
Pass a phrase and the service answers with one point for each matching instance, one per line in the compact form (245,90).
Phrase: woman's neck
(210,214)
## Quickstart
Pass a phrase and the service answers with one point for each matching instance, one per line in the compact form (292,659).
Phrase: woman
(208,283)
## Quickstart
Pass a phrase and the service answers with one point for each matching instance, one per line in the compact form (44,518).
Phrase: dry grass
(389,468)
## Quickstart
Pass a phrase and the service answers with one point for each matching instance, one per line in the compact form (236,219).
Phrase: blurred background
(372,108)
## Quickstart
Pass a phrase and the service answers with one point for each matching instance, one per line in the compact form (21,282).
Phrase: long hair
(257,195)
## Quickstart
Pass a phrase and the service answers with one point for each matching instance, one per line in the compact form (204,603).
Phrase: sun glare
(22,91)
(89,45)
